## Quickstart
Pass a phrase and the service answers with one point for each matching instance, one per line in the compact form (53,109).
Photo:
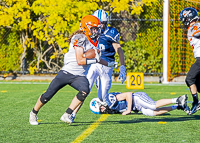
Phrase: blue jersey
(115,105)
(109,36)
(121,106)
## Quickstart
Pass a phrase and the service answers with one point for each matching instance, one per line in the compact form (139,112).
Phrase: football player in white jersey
(74,69)
(108,45)
(189,18)
(139,101)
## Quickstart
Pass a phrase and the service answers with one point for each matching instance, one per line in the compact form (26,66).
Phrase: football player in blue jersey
(139,101)
(108,45)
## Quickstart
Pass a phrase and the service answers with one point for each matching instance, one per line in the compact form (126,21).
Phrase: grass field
(17,100)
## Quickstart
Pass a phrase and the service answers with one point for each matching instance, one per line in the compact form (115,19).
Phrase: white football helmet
(95,105)
(102,16)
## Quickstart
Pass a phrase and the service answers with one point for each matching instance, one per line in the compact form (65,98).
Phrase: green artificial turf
(18,98)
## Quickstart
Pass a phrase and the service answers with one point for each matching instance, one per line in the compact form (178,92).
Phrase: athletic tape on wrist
(90,61)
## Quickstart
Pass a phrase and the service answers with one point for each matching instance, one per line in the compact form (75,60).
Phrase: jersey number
(101,47)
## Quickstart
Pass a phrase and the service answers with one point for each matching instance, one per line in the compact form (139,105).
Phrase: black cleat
(198,106)
(194,108)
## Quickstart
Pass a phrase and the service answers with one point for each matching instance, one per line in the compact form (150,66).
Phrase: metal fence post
(23,65)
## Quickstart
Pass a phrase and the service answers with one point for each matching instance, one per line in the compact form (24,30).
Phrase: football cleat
(181,101)
(33,119)
(186,109)
(66,118)
(73,116)
(194,108)
(198,107)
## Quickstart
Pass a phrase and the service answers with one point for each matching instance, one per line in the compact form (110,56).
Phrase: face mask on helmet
(91,26)
(107,110)
(95,32)
(103,17)
(187,16)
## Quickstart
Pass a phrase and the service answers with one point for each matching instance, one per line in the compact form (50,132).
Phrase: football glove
(122,73)
(112,64)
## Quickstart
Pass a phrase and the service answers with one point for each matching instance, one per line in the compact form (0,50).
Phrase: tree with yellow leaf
(44,25)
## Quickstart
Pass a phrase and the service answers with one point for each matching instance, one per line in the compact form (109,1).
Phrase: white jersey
(70,62)
(194,38)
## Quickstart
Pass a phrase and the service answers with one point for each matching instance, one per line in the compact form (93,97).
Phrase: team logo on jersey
(112,98)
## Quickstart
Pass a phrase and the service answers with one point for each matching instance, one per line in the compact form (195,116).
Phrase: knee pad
(81,96)
(43,99)
(148,112)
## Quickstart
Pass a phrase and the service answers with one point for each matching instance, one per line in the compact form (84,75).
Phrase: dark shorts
(193,76)
(64,78)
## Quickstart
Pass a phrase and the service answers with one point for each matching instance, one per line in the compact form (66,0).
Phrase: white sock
(174,100)
(73,115)
(174,107)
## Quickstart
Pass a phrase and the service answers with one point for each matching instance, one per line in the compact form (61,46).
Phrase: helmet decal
(188,15)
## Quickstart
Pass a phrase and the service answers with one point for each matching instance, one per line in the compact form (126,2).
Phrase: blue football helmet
(188,15)
(103,17)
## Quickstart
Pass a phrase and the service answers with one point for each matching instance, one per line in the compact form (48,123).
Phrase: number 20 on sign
(135,80)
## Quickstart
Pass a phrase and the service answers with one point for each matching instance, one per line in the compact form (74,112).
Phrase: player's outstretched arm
(128,97)
(120,52)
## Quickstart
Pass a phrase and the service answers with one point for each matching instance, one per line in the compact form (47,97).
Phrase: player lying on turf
(139,101)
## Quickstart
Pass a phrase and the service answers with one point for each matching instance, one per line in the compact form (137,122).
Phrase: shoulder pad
(78,40)
(112,33)
(111,99)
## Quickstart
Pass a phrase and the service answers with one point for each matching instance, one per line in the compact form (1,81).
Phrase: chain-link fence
(141,40)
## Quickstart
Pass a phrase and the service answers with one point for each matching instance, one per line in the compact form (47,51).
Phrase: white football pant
(105,78)
(144,103)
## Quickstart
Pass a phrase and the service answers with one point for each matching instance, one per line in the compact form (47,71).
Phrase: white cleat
(33,119)
(66,118)
(73,116)
(182,100)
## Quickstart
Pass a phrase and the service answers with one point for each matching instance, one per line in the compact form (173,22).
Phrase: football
(90,54)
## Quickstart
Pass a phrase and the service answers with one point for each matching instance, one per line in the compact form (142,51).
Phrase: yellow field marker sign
(90,129)
(135,80)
